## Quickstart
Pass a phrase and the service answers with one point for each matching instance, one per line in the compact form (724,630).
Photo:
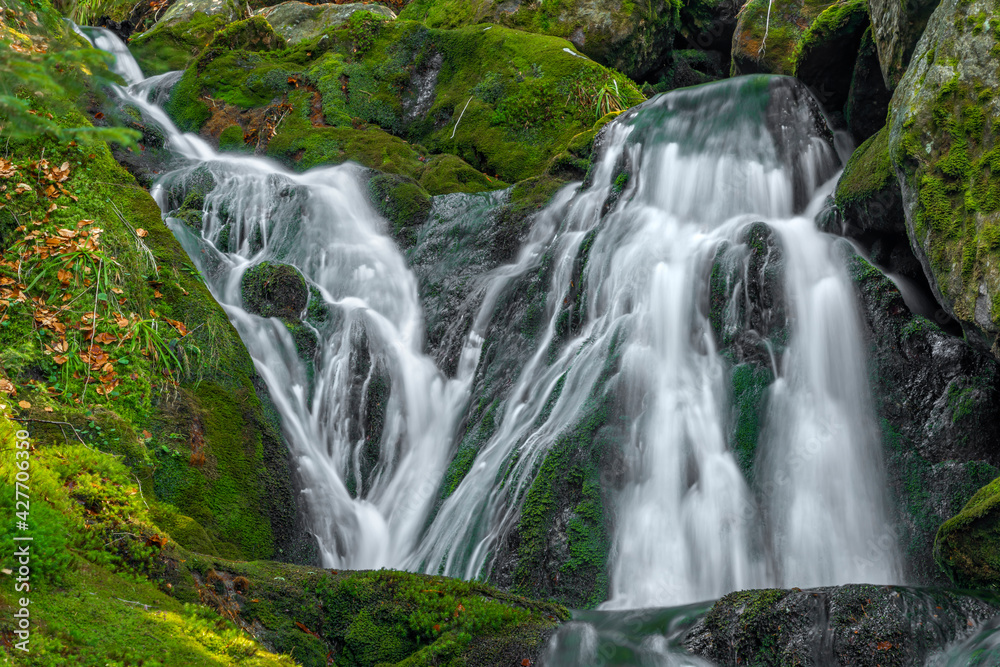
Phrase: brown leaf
(60,359)
(141,233)
(24,404)
(48,409)
(146,434)
(7,387)
(883,646)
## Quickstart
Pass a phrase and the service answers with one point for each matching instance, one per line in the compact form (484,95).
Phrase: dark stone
(859,625)
(868,98)
(274,290)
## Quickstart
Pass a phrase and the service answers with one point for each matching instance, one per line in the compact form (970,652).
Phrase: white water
(687,525)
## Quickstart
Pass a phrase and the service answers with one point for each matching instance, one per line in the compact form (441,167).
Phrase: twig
(460,118)
(140,490)
(59,424)
(767,25)
(145,606)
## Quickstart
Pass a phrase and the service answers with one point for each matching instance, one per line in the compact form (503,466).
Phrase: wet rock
(942,143)
(849,625)
(299,21)
(402,202)
(274,290)
(935,395)
(967,546)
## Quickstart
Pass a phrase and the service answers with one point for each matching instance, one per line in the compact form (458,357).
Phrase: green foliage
(42,70)
(364,28)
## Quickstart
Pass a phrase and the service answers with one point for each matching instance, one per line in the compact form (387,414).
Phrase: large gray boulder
(943,147)
(184,10)
(298,21)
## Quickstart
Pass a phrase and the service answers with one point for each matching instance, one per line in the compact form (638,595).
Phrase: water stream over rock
(688,260)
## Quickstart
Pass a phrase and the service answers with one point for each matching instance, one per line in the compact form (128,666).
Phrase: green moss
(507,120)
(167,48)
(749,386)
(402,202)
(843,17)
(270,289)
(868,172)
(967,546)
(231,139)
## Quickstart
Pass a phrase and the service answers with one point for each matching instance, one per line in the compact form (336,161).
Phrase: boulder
(868,98)
(299,21)
(857,624)
(184,10)
(184,31)
(896,27)
(274,290)
(967,546)
(943,145)
(767,33)
(632,37)
(402,202)
(824,55)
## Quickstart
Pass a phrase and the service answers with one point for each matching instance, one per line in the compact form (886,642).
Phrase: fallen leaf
(883,646)
(146,434)
(24,404)
(48,409)
(141,233)
(6,386)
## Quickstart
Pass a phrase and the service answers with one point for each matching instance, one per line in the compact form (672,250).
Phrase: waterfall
(684,184)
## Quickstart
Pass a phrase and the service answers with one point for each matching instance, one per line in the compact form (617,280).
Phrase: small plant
(609,99)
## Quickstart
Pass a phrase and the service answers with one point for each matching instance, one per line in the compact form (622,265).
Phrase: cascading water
(680,183)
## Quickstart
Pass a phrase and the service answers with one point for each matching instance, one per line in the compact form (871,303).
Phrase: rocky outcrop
(868,98)
(632,37)
(183,32)
(300,22)
(824,54)
(896,28)
(392,94)
(849,625)
(767,33)
(943,146)
(935,395)
(270,289)
(967,546)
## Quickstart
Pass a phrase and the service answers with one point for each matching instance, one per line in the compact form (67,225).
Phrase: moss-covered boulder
(176,40)
(391,94)
(270,289)
(868,194)
(824,55)
(299,21)
(632,37)
(402,202)
(943,144)
(849,625)
(768,33)
(967,546)
(896,28)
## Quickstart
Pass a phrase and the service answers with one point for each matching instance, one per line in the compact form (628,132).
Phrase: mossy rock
(231,139)
(402,202)
(825,54)
(868,98)
(943,143)
(300,22)
(270,289)
(410,94)
(173,45)
(967,546)
(369,618)
(868,193)
(784,22)
(632,37)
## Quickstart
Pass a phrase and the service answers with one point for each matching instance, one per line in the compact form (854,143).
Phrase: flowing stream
(678,188)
